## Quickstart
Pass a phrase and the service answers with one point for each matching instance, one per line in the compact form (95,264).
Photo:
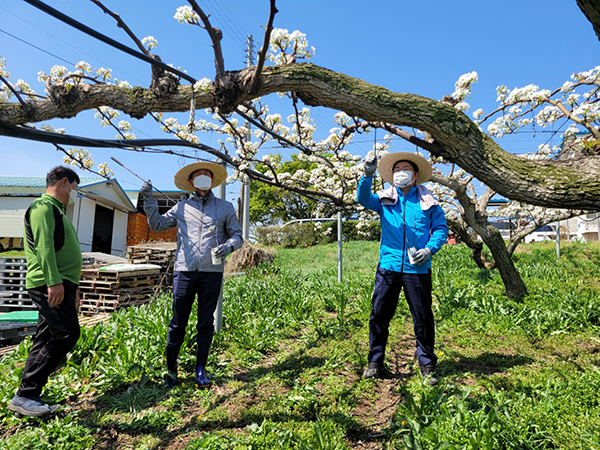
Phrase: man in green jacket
(53,273)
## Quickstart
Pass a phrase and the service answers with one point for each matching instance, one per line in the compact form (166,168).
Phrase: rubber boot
(201,378)
(171,378)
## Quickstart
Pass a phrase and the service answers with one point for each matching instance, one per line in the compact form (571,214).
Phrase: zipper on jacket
(403,230)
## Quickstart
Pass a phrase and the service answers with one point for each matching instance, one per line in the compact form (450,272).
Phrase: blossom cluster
(186,14)
(462,89)
(79,157)
(150,42)
(532,106)
(286,47)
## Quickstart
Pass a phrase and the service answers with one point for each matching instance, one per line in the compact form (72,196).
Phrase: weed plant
(517,374)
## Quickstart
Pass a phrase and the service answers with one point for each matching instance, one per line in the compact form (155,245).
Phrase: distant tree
(272,205)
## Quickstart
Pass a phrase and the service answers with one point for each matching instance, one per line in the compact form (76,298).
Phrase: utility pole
(340,238)
(245,182)
(218,314)
(558,239)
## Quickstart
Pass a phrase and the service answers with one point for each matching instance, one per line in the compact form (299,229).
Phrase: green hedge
(309,234)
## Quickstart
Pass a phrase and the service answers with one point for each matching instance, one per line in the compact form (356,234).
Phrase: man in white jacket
(207,231)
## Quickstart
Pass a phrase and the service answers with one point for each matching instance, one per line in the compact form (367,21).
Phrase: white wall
(119,240)
(83,219)
(13,211)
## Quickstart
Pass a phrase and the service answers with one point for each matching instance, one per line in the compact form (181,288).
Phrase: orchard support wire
(340,238)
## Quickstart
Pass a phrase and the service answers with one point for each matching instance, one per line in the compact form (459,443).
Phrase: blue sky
(415,47)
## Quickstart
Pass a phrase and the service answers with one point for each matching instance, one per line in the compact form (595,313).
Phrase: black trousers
(57,333)
(417,290)
(186,285)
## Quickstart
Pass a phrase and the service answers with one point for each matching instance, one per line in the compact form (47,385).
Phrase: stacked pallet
(107,289)
(13,293)
(160,253)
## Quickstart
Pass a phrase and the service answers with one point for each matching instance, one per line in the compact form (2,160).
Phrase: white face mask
(402,178)
(202,182)
(72,196)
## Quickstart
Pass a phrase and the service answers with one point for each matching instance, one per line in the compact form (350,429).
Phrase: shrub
(309,234)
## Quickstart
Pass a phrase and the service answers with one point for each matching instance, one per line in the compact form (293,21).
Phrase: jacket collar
(389,196)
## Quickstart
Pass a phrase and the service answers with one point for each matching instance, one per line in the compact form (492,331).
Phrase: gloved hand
(421,256)
(222,251)
(146,190)
(370,165)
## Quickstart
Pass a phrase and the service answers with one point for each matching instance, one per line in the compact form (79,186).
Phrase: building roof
(14,181)
(95,188)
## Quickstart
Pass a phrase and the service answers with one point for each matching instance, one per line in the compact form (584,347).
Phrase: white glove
(222,251)
(421,256)
(370,165)
(146,190)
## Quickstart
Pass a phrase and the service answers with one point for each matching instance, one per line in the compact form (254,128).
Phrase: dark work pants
(417,290)
(57,333)
(207,285)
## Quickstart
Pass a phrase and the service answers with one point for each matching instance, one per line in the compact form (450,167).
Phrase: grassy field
(516,374)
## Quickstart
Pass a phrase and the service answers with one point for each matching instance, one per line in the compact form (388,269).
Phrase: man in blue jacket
(207,231)
(413,228)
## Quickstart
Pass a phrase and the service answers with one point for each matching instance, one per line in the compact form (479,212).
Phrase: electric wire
(234,31)
(36,47)
(130,77)
(85,29)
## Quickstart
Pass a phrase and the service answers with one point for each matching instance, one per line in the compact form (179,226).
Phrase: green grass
(516,374)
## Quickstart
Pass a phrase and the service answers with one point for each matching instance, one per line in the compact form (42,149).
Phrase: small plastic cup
(411,254)
(216,261)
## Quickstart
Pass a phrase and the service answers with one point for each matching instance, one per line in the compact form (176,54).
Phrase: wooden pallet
(87,321)
(115,297)
(109,306)
(95,285)
(139,275)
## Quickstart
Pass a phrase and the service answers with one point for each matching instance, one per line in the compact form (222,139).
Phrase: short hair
(58,173)
(413,165)
(212,175)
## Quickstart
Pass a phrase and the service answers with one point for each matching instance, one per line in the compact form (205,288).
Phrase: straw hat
(183,175)
(386,166)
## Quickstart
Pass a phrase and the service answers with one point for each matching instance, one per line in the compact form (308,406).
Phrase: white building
(585,228)
(99,214)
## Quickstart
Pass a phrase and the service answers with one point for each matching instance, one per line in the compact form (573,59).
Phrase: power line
(107,40)
(66,43)
(233,29)
(36,47)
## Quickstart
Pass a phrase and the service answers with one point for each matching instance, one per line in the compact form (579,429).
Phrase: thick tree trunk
(591,9)
(572,183)
(513,283)
(460,228)
(474,215)
(511,278)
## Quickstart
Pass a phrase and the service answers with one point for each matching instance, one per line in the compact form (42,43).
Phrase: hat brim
(183,175)
(387,163)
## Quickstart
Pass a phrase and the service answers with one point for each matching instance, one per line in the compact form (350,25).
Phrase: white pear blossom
(83,68)
(104,170)
(150,42)
(478,113)
(3,71)
(103,73)
(187,14)
(286,47)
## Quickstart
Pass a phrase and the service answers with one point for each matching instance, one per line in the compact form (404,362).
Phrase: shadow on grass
(245,406)
(486,364)
(484,276)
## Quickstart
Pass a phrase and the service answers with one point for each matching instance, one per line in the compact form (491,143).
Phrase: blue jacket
(405,225)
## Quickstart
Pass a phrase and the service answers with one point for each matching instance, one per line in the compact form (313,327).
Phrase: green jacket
(45,266)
